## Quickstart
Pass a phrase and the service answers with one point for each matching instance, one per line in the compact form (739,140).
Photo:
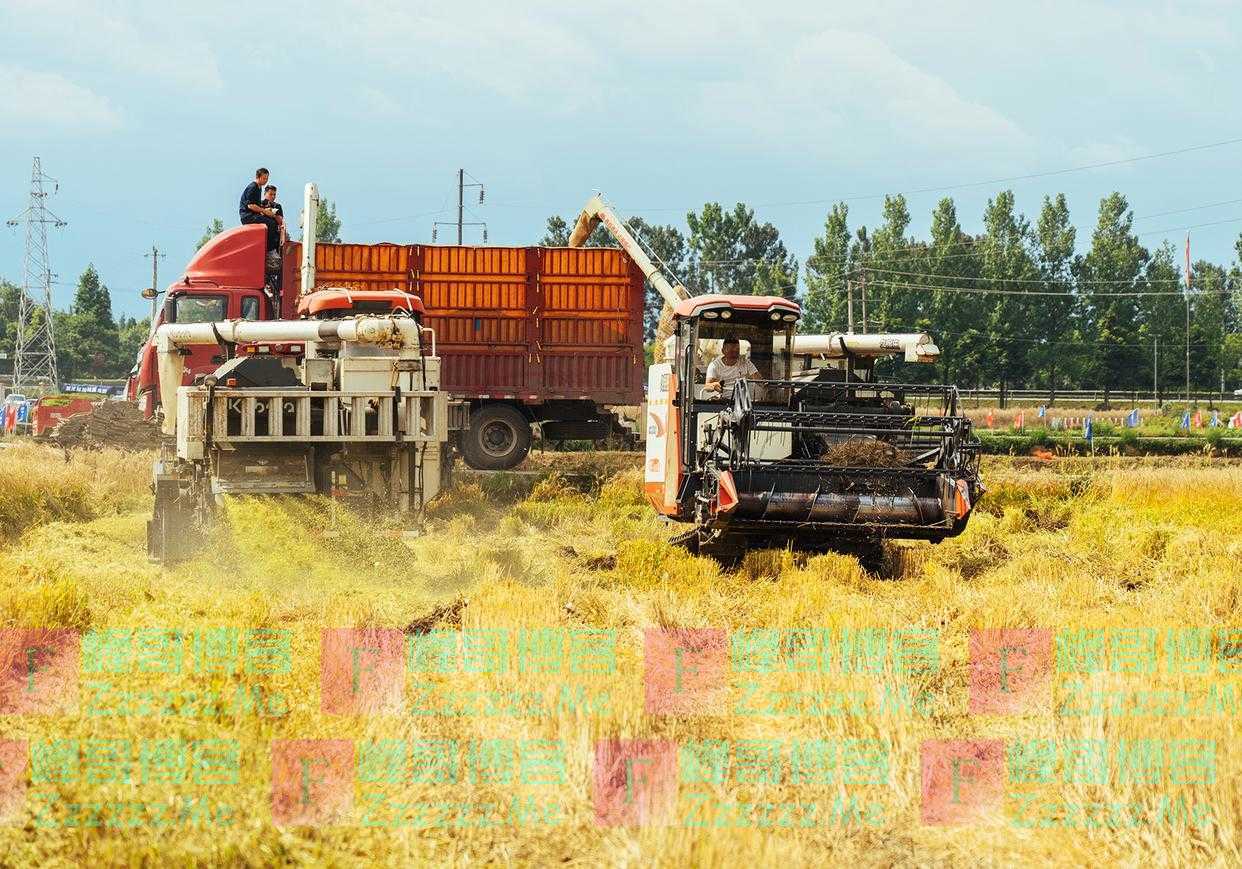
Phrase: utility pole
(1188,280)
(461,201)
(1155,369)
(864,301)
(849,306)
(1187,339)
(155,277)
(35,350)
(461,221)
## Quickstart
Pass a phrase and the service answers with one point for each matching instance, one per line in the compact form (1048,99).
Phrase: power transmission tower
(35,351)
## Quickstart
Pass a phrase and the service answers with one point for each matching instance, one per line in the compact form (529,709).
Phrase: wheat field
(809,744)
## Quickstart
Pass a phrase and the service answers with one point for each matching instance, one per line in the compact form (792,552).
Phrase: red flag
(1198,419)
(989,419)
(1021,418)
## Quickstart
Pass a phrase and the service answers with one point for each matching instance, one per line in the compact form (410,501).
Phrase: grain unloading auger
(343,403)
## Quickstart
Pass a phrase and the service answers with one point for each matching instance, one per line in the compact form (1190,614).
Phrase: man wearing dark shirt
(269,201)
(252,209)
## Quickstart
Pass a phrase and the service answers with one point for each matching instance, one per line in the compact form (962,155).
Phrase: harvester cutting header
(809,450)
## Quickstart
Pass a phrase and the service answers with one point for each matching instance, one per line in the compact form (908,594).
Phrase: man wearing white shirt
(728,368)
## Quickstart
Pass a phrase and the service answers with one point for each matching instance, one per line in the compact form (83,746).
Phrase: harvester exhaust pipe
(310,215)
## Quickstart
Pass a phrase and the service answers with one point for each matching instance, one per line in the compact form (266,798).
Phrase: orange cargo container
(527,334)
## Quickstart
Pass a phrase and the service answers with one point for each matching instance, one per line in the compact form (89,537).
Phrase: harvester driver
(728,368)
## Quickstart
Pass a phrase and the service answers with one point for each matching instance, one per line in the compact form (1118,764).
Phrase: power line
(1191,208)
(965,185)
(891,285)
(1080,282)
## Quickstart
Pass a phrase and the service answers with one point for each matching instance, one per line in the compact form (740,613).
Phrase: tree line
(1014,306)
(91,343)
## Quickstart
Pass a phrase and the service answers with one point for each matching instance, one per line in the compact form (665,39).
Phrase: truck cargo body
(525,323)
(526,334)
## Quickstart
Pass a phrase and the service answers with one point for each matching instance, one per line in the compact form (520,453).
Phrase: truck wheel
(498,439)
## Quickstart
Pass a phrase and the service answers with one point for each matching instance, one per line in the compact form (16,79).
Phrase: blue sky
(153,115)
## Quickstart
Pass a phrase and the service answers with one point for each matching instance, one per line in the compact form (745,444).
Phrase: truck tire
(498,439)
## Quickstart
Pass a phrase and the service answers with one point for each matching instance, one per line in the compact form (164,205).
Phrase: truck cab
(226,280)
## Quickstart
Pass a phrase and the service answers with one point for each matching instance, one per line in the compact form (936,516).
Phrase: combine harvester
(815,454)
(350,407)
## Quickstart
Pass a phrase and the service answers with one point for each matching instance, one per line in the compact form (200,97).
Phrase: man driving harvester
(728,368)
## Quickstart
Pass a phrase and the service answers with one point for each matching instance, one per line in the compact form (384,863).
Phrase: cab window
(250,307)
(199,309)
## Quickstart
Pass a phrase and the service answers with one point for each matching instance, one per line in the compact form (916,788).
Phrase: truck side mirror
(149,293)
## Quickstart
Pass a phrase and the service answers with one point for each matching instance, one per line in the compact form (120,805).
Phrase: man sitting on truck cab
(252,209)
(269,201)
(728,368)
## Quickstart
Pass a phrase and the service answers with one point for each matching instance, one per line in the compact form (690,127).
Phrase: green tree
(10,300)
(891,305)
(1008,269)
(668,249)
(327,223)
(1114,265)
(87,337)
(131,335)
(1208,303)
(952,261)
(558,231)
(213,229)
(731,252)
(827,270)
(1163,327)
(1054,258)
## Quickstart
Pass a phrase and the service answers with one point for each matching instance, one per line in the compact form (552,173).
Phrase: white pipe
(914,346)
(171,337)
(310,216)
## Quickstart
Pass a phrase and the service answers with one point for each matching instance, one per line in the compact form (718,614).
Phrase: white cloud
(160,43)
(31,97)
(833,88)
(1094,153)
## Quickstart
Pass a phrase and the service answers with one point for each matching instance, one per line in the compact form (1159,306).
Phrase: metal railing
(329,416)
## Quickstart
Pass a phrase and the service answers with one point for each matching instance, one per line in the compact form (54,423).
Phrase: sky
(153,116)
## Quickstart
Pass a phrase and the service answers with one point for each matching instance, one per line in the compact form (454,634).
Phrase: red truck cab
(224,281)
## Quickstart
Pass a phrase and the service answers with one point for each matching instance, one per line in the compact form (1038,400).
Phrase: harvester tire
(498,439)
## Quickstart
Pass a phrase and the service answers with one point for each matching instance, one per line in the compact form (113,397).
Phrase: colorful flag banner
(1086,430)
(1132,419)
(1186,420)
(1043,411)
(1215,419)
(1198,419)
(1021,420)
(990,420)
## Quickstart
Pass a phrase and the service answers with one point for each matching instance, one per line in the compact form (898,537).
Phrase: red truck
(526,334)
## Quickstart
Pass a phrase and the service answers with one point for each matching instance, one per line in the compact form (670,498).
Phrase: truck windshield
(200,309)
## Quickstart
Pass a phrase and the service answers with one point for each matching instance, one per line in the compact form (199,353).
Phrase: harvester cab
(356,412)
(809,451)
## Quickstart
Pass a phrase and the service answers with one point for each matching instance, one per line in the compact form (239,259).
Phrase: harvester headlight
(776,315)
(789,318)
(724,315)
(711,315)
